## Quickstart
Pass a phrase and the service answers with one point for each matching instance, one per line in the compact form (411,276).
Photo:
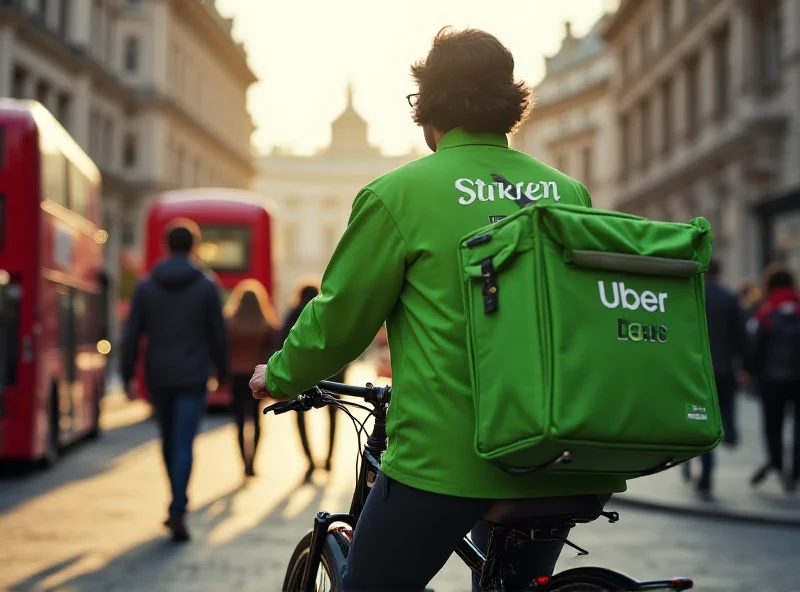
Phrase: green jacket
(397,262)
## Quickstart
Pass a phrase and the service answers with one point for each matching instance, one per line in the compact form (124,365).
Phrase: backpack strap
(523,200)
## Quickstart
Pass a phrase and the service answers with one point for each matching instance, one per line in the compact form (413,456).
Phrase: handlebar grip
(349,390)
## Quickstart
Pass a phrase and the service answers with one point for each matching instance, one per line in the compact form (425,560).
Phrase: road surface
(93,523)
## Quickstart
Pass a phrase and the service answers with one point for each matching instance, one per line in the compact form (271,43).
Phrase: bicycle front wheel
(330,570)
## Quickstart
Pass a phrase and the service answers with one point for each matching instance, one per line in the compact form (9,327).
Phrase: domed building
(315,193)
(349,134)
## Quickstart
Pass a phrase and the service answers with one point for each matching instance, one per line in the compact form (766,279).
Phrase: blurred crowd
(755,344)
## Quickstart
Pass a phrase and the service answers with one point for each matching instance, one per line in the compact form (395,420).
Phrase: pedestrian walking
(254,333)
(306,291)
(726,338)
(750,299)
(775,361)
(178,309)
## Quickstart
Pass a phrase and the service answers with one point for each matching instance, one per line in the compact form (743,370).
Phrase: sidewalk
(734,499)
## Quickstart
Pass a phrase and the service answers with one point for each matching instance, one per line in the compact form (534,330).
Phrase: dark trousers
(405,535)
(178,413)
(776,398)
(245,407)
(301,429)
(726,394)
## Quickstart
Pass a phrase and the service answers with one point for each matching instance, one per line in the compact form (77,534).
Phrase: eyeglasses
(412,99)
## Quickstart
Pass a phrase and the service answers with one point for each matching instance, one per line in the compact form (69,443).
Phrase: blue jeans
(178,412)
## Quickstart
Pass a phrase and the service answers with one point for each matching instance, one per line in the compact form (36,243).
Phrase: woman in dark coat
(305,293)
(253,332)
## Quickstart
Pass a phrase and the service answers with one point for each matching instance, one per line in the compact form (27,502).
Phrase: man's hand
(258,383)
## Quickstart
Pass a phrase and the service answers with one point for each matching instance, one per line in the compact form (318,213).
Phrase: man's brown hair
(467,80)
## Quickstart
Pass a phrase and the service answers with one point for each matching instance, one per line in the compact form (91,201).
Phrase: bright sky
(305,52)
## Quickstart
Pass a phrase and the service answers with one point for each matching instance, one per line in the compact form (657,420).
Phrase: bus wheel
(53,449)
(94,433)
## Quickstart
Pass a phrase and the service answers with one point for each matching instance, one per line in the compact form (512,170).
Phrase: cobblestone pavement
(93,523)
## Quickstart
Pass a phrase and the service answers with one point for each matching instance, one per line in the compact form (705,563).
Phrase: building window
(94,134)
(40,10)
(129,152)
(770,38)
(692,72)
(62,109)
(644,43)
(108,142)
(721,53)
(646,148)
(63,17)
(19,81)
(96,26)
(666,19)
(111,26)
(666,117)
(625,145)
(587,165)
(43,92)
(131,54)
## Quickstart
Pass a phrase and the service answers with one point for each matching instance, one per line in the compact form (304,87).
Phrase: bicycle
(318,560)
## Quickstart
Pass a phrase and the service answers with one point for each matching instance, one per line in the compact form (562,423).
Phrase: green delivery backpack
(587,341)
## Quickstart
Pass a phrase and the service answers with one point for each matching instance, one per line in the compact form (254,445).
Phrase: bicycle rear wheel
(331,568)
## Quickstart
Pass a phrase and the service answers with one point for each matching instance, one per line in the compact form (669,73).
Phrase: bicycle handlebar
(362,392)
(315,397)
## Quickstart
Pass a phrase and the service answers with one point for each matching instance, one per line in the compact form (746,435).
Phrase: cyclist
(397,262)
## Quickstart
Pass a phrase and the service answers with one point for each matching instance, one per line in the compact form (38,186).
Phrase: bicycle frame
(368,473)
(488,567)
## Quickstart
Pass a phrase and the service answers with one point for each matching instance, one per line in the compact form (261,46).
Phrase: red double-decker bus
(236,228)
(52,287)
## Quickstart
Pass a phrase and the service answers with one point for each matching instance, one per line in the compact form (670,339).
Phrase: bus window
(225,248)
(79,189)
(9,334)
(2,147)
(54,177)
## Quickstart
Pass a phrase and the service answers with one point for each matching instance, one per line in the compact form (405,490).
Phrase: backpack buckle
(489,286)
